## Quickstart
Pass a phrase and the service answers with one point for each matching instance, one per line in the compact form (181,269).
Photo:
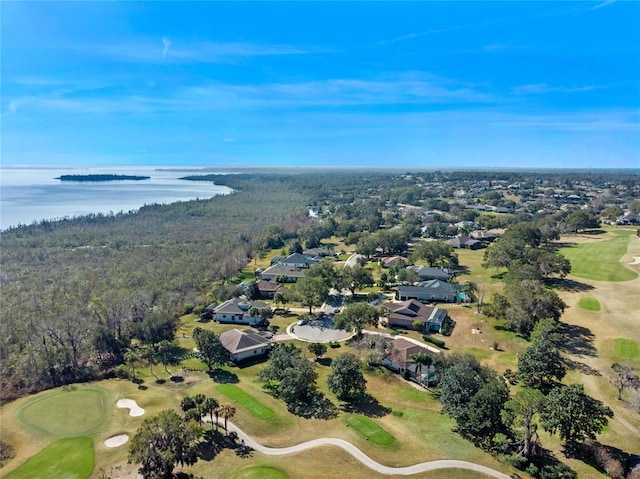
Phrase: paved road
(364,459)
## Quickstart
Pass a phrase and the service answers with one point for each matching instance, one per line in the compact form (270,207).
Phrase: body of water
(30,195)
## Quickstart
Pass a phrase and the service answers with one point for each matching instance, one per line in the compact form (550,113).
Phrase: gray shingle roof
(237,341)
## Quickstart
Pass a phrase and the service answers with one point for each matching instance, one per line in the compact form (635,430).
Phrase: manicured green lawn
(590,304)
(239,396)
(260,473)
(66,413)
(70,458)
(370,430)
(625,348)
(600,261)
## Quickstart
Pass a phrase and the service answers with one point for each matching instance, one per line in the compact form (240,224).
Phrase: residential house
(319,252)
(465,242)
(405,313)
(429,291)
(268,289)
(245,344)
(399,358)
(392,261)
(280,272)
(428,272)
(298,260)
(237,311)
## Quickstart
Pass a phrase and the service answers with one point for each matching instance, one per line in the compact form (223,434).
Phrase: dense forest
(76,292)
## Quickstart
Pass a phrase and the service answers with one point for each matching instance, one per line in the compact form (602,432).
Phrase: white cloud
(603,4)
(541,88)
(167,43)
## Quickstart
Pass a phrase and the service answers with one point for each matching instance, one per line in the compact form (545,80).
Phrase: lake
(33,194)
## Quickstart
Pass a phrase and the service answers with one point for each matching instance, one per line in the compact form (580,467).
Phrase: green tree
(356,316)
(164,353)
(573,414)
(581,220)
(327,272)
(288,375)
(519,413)
(547,329)
(156,327)
(524,303)
(612,212)
(367,246)
(345,379)
(484,417)
(162,442)
(131,358)
(317,349)
(211,406)
(310,291)
(541,365)
(462,378)
(227,411)
(356,277)
(435,252)
(210,347)
(421,359)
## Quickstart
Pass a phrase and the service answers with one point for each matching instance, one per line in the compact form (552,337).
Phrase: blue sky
(424,84)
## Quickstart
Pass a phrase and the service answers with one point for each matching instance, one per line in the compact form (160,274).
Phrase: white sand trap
(636,260)
(134,409)
(116,441)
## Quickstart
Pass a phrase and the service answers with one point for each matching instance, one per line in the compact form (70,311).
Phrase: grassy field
(240,397)
(369,430)
(600,260)
(589,304)
(260,473)
(626,348)
(70,458)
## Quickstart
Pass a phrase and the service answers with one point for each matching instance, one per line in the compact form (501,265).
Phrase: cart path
(363,458)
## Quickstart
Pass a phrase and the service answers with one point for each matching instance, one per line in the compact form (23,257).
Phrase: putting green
(590,304)
(70,458)
(625,348)
(370,430)
(66,413)
(260,473)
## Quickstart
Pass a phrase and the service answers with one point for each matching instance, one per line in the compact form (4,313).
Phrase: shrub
(430,339)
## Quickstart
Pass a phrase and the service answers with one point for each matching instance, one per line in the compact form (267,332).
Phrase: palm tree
(130,357)
(471,288)
(422,359)
(227,411)
(210,406)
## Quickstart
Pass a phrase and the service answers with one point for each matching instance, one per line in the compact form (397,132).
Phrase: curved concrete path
(363,458)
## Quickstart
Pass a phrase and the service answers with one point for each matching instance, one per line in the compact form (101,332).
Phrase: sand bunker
(636,260)
(134,409)
(116,441)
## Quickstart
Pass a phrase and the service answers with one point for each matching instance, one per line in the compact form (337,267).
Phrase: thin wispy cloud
(167,43)
(194,52)
(541,88)
(603,4)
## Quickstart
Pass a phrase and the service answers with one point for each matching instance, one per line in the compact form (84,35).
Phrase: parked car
(302,322)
